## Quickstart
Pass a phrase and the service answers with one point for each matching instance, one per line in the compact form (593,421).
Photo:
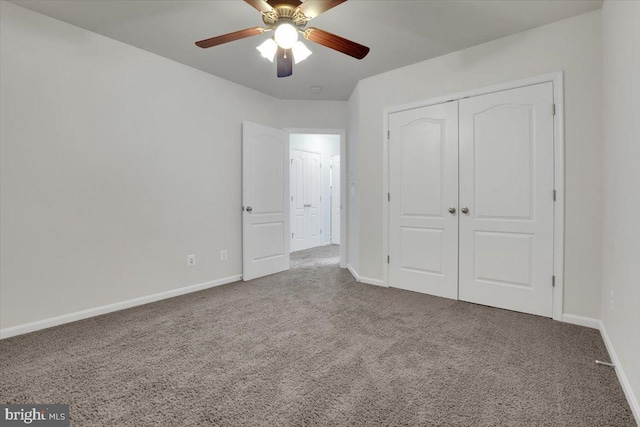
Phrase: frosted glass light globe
(286,35)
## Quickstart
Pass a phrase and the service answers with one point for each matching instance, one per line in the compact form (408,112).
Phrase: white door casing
(265,196)
(423,182)
(306,199)
(335,200)
(507,183)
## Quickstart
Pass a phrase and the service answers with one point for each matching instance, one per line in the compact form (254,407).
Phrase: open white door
(265,201)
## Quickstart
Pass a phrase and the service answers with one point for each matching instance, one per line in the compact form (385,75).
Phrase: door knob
(452,210)
(465,210)
(249,209)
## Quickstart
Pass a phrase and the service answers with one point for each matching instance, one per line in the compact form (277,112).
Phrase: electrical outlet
(191,260)
(224,254)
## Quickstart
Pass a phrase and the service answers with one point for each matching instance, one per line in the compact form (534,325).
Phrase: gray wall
(115,165)
(621,228)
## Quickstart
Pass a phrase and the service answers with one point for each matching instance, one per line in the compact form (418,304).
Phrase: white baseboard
(97,311)
(353,272)
(370,281)
(366,280)
(622,378)
(589,322)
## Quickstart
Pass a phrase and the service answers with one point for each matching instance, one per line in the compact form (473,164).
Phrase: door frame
(557,79)
(304,150)
(331,201)
(343,202)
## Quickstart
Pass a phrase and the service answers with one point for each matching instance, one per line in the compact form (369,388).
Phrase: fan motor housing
(285,12)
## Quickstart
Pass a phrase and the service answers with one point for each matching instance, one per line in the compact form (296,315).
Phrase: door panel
(335,200)
(423,166)
(504,189)
(265,192)
(506,182)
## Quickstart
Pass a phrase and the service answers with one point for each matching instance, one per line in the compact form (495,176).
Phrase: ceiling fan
(287,18)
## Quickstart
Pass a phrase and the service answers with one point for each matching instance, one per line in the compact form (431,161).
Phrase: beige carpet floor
(313,347)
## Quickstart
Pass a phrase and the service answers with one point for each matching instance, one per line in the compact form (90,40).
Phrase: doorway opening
(316,196)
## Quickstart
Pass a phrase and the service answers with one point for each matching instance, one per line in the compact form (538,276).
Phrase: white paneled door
(423,171)
(335,200)
(306,199)
(265,196)
(471,210)
(506,199)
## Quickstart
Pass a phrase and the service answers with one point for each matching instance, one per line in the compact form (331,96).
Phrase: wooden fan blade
(292,3)
(215,41)
(313,8)
(260,5)
(335,42)
(285,62)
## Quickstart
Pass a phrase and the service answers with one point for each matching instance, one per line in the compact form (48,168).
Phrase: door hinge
(388,259)
(388,134)
(291,161)
(292,198)
(553,109)
(554,195)
(321,231)
(553,281)
(292,235)
(388,197)
(320,198)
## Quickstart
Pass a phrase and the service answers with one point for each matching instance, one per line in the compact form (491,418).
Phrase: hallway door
(306,199)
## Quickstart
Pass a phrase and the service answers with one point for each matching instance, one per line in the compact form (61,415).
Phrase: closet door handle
(465,210)
(452,210)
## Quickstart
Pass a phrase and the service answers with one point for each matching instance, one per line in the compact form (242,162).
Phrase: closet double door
(306,199)
(471,199)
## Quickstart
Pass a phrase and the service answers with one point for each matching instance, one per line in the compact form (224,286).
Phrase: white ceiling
(398,32)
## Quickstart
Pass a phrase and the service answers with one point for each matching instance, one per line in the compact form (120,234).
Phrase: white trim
(370,281)
(588,322)
(385,198)
(622,378)
(557,80)
(97,311)
(366,280)
(343,193)
(353,272)
(558,176)
(331,201)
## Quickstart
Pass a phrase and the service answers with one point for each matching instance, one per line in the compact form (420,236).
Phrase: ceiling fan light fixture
(286,35)
(268,49)
(300,52)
